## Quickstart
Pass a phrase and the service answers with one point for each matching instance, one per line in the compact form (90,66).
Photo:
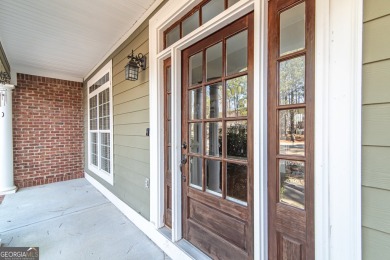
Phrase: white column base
(9,190)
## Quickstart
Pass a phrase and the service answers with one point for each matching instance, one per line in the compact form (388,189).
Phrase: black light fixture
(135,62)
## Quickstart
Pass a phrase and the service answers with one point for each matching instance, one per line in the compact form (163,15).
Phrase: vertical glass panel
(94,147)
(237,53)
(104,110)
(214,176)
(195,103)
(232,2)
(169,107)
(105,151)
(292,81)
(195,172)
(214,62)
(169,81)
(214,138)
(172,36)
(214,101)
(190,23)
(292,183)
(236,183)
(196,69)
(237,139)
(212,9)
(195,131)
(237,97)
(292,132)
(292,29)
(93,113)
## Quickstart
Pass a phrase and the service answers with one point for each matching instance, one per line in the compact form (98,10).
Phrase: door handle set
(183,161)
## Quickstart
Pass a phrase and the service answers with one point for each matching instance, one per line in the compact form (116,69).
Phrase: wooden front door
(291,129)
(217,142)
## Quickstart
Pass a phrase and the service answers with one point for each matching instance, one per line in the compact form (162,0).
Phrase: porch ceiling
(64,39)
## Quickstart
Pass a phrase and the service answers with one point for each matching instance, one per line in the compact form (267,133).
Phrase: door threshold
(184,245)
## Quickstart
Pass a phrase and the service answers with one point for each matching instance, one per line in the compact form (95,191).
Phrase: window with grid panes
(99,126)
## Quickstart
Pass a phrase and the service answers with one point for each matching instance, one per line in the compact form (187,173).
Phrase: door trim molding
(338,70)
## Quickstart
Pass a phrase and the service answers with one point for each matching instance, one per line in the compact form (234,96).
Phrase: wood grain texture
(376,209)
(376,244)
(375,167)
(291,250)
(376,125)
(375,8)
(225,226)
(376,42)
(376,82)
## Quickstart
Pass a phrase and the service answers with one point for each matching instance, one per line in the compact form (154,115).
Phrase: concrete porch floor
(71,220)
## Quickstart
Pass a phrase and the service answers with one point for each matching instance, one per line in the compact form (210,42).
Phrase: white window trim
(108,177)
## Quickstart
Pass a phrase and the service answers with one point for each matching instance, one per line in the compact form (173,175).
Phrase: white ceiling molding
(67,39)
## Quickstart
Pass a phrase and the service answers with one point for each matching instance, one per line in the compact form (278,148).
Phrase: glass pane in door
(237,53)
(292,81)
(195,103)
(214,62)
(195,172)
(292,132)
(214,177)
(195,130)
(236,182)
(196,69)
(292,29)
(237,139)
(292,183)
(214,138)
(214,100)
(237,97)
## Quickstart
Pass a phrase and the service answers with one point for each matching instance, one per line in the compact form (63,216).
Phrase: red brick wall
(48,130)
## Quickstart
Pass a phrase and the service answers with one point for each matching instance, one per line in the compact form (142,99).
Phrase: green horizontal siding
(376,130)
(131,119)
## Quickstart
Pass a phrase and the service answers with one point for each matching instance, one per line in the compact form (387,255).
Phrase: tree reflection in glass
(237,97)
(292,132)
(292,183)
(292,81)
(237,138)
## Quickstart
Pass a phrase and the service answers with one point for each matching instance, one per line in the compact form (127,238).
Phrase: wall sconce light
(135,62)
(4,78)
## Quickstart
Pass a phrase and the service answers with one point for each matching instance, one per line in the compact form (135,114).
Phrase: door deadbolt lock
(184,145)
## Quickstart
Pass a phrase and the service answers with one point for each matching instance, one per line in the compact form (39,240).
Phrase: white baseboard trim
(170,248)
